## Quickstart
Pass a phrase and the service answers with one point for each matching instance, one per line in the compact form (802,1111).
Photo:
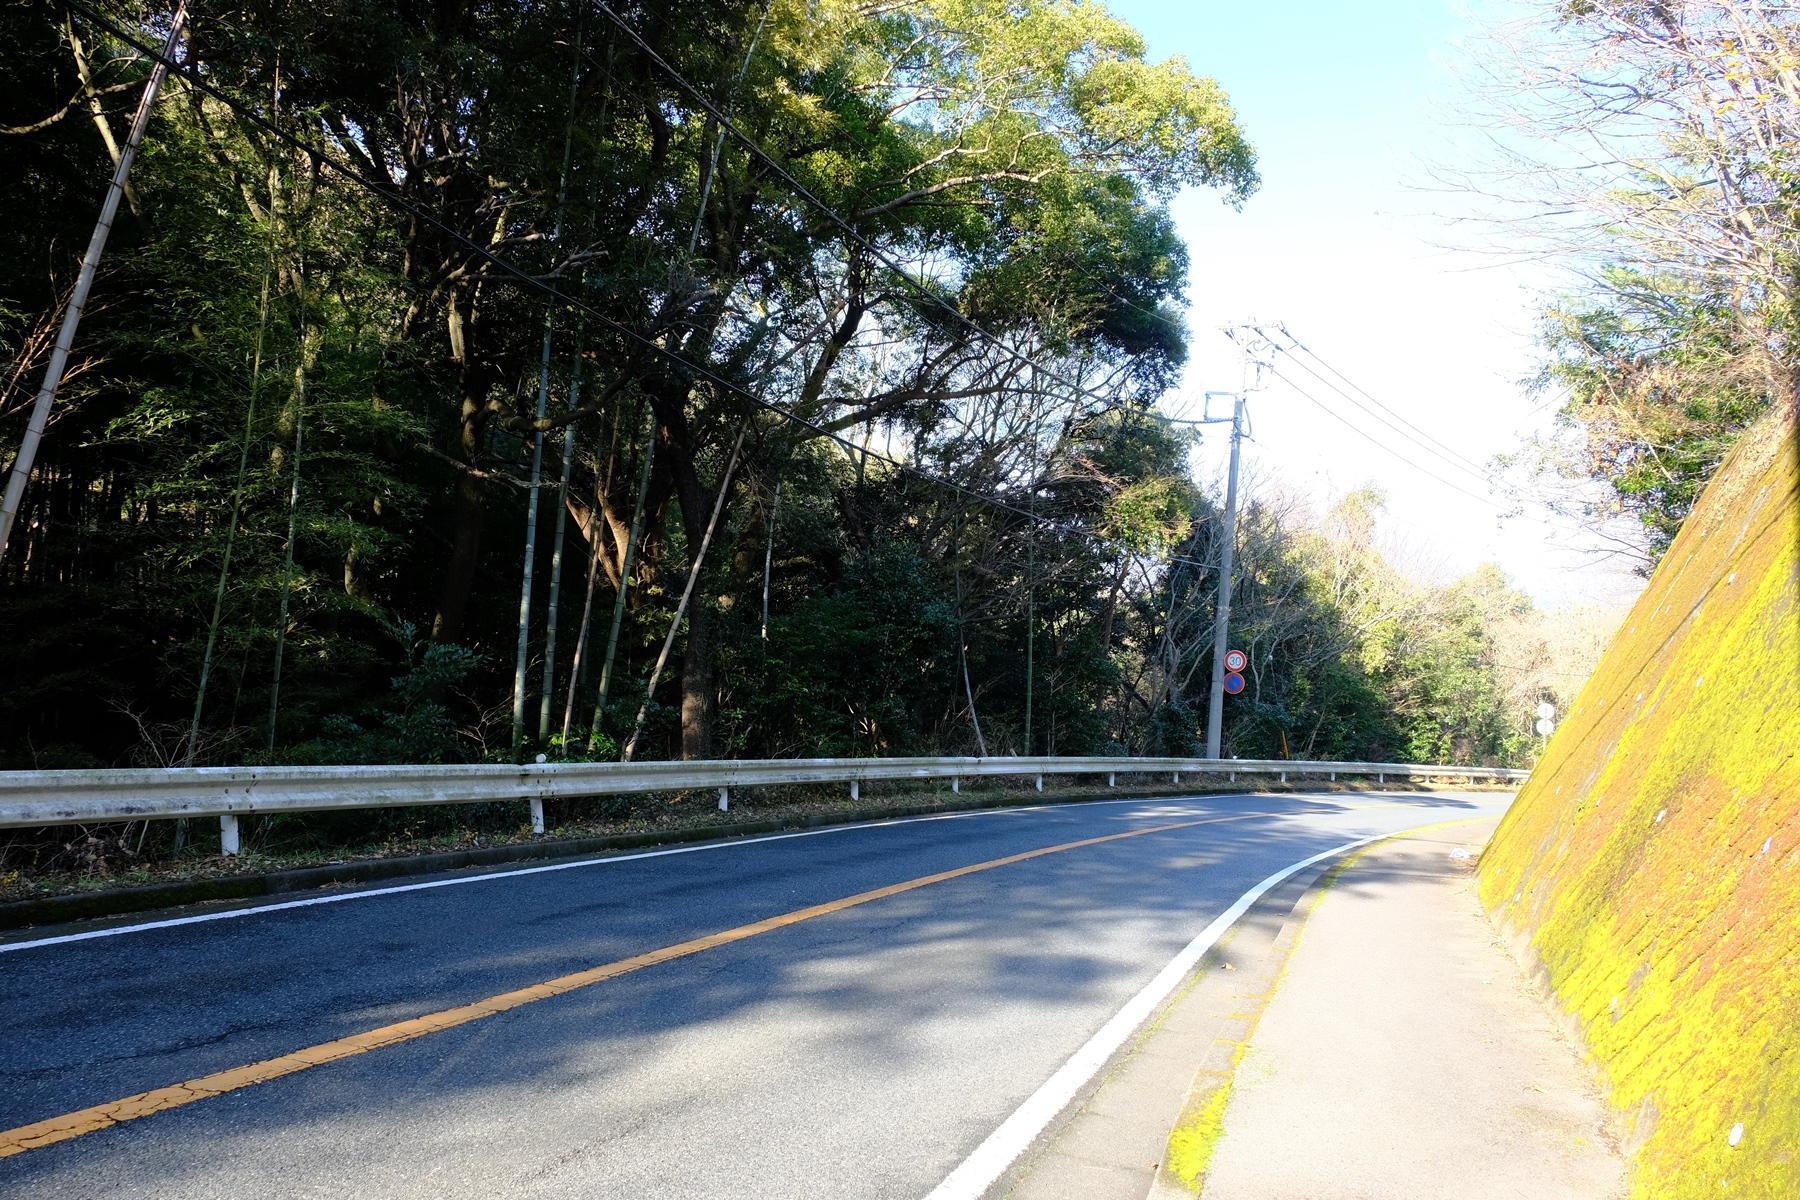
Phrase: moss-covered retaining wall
(1653,859)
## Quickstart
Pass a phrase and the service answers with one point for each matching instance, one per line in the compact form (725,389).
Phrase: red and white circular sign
(1236,660)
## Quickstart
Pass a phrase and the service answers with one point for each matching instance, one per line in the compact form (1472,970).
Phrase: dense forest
(471,381)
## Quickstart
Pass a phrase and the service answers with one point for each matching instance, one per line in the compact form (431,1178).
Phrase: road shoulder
(1404,1053)
(1109,1144)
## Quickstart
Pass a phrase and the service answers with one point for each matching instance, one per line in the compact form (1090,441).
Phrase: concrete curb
(1218,1074)
(112,902)
(78,906)
(1218,1065)
(19,914)
(1112,1141)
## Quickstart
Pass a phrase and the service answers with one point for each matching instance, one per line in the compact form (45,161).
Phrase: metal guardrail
(41,798)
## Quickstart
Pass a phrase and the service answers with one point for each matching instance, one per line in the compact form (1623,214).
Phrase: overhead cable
(1417,434)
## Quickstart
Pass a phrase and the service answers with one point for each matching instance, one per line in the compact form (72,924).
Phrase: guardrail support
(1284,777)
(537,814)
(1176,777)
(1040,783)
(724,799)
(228,835)
(1380,778)
(1112,779)
(956,785)
(855,789)
(1331,775)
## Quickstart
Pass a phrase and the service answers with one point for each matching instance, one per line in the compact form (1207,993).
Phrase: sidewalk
(1404,1055)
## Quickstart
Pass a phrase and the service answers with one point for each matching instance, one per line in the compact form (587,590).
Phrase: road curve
(846,1013)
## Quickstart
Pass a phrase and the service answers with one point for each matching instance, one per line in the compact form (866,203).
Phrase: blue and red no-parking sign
(1235,662)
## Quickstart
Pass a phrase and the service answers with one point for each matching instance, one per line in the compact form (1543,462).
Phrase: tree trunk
(308,347)
(469,510)
(697,684)
(698,633)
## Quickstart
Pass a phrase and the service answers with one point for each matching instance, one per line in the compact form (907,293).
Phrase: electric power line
(1377,442)
(1553,514)
(1434,443)
(1387,425)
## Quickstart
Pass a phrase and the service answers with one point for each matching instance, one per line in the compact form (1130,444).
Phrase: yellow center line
(143,1104)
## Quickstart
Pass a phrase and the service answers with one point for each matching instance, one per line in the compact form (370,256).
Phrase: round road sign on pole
(1234,683)
(1236,661)
(1545,725)
(1546,710)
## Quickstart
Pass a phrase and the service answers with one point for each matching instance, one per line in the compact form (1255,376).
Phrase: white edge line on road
(604,860)
(980,1170)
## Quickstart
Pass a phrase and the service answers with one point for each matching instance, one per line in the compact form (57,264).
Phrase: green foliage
(378,380)
(854,671)
(1662,377)
(412,724)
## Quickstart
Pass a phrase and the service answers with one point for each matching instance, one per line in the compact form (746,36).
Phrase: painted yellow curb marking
(143,1104)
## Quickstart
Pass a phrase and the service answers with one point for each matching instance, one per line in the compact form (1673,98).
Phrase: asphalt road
(862,1052)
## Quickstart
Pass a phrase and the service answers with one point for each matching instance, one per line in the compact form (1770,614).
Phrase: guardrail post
(855,789)
(1331,775)
(1112,779)
(1380,777)
(228,835)
(537,814)
(724,799)
(1040,783)
(956,785)
(1284,777)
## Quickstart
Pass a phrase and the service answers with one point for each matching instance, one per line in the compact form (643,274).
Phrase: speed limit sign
(1236,660)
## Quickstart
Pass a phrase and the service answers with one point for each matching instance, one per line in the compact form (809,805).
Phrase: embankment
(1653,859)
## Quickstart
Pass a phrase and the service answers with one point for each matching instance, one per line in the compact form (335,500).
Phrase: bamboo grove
(753,378)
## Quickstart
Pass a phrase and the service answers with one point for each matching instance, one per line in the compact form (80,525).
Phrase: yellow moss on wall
(1654,855)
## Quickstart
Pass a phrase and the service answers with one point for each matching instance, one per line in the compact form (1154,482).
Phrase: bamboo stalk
(769,558)
(556,550)
(307,340)
(521,659)
(618,616)
(84,282)
(237,509)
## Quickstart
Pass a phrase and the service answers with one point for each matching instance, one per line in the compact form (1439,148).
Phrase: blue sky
(1349,107)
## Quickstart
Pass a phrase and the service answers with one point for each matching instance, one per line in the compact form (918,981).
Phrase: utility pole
(1216,701)
(84,281)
